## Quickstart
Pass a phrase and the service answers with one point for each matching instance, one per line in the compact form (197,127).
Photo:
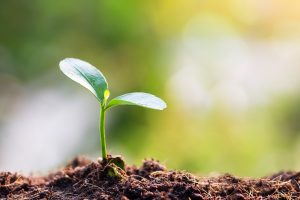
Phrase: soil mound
(84,179)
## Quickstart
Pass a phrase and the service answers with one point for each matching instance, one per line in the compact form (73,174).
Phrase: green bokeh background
(136,44)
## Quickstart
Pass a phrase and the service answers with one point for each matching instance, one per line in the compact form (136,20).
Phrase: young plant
(91,78)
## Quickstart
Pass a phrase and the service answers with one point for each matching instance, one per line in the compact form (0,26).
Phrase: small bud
(106,94)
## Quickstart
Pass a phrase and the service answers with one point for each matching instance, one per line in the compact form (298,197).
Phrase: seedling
(92,79)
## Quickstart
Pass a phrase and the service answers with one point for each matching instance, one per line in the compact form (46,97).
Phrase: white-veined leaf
(86,75)
(138,99)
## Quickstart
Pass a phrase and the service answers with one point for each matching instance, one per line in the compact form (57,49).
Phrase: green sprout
(92,79)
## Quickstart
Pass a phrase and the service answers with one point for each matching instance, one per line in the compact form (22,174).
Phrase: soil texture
(84,179)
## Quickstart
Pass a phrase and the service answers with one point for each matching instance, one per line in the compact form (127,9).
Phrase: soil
(84,179)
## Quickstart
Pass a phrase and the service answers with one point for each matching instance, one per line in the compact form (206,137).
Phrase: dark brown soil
(83,179)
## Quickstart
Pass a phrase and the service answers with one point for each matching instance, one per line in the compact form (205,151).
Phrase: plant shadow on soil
(84,179)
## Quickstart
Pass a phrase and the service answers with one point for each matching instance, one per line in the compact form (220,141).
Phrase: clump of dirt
(84,179)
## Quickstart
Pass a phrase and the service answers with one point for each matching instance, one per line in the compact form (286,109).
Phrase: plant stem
(102,133)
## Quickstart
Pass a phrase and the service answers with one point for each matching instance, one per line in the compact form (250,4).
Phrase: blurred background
(229,71)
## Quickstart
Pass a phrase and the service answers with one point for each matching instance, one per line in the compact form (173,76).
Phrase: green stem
(102,133)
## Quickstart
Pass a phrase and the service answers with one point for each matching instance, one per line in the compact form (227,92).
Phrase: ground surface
(83,179)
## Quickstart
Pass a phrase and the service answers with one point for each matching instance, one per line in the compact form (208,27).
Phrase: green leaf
(138,99)
(86,75)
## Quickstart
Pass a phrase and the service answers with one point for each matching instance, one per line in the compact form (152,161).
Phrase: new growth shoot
(92,79)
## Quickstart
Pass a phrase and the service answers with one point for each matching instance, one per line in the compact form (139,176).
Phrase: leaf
(86,75)
(139,99)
